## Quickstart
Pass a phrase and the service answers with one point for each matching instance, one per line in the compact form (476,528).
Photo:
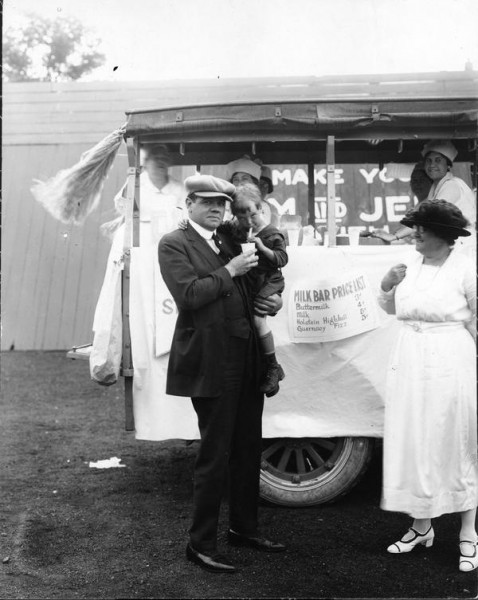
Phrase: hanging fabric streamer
(109,228)
(72,194)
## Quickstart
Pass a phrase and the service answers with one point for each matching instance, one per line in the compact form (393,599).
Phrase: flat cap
(443,147)
(208,186)
(244,165)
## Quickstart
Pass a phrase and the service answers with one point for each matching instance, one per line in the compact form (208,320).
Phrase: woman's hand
(386,237)
(394,277)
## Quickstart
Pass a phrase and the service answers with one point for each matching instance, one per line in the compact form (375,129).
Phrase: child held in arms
(249,225)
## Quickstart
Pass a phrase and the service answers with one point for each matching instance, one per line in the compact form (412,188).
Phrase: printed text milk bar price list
(332,309)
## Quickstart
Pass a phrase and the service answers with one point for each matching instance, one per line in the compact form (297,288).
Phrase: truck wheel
(308,471)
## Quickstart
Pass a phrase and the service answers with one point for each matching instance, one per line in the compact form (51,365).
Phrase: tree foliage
(42,49)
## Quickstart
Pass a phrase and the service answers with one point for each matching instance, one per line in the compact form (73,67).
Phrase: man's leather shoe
(256,542)
(215,563)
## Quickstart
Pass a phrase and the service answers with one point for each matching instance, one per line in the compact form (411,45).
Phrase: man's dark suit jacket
(199,284)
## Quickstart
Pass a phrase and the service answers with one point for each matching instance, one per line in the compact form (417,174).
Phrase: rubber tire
(286,479)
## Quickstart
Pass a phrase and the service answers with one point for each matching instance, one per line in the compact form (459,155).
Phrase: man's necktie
(219,246)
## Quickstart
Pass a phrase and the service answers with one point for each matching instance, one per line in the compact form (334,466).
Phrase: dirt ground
(71,531)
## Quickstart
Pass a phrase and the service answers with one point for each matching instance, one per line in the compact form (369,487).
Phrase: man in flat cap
(215,360)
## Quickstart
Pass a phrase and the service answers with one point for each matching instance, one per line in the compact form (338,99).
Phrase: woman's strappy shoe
(468,562)
(419,538)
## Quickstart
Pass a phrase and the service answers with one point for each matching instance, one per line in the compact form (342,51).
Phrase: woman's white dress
(430,432)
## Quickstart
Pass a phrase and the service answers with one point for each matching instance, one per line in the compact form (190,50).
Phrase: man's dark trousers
(231,438)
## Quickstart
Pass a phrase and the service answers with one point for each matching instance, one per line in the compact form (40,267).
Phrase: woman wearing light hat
(243,170)
(438,158)
(430,463)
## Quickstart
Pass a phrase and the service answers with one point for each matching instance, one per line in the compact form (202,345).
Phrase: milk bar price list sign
(332,309)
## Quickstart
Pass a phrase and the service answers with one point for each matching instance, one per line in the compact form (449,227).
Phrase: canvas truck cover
(311,110)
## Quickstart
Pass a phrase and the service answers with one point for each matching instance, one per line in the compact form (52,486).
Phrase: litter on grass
(109,463)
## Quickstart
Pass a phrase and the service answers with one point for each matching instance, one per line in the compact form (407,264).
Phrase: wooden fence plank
(34,286)
(16,230)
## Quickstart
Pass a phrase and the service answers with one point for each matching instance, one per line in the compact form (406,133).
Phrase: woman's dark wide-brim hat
(437,214)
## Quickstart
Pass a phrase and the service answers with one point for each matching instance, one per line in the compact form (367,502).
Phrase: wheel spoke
(299,457)
(282,466)
(318,460)
(327,444)
(268,452)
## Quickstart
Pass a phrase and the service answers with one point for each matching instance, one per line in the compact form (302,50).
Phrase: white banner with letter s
(333,308)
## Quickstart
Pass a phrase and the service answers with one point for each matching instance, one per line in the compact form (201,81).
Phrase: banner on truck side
(324,310)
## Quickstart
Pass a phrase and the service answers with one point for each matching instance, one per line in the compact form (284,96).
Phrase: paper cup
(293,236)
(248,246)
(354,235)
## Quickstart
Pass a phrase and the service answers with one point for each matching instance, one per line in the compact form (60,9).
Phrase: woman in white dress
(430,436)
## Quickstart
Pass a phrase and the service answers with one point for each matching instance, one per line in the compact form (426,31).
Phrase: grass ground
(71,531)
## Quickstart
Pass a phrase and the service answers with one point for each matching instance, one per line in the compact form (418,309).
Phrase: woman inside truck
(438,157)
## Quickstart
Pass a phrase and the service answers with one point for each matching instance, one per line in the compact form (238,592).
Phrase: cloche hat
(244,165)
(443,147)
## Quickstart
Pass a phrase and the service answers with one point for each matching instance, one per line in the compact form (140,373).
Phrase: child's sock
(268,348)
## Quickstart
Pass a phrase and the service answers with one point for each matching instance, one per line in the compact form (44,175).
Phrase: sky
(151,40)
